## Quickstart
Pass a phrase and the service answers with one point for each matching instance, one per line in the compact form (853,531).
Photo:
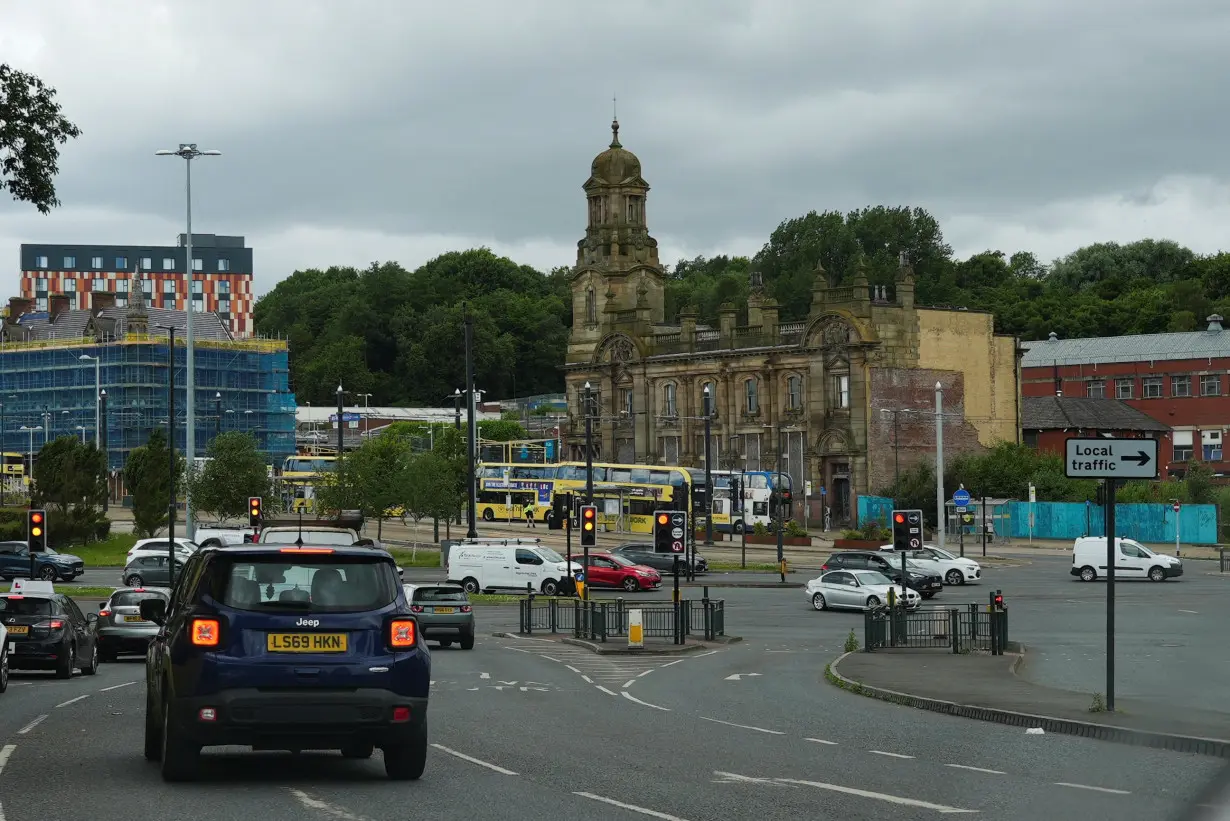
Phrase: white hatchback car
(158,547)
(953,569)
(856,590)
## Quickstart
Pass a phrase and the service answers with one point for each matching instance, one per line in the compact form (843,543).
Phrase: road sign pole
(1176,530)
(1111,550)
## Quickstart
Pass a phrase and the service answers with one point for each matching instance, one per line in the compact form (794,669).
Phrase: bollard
(553,608)
(605,614)
(954,627)
(619,612)
(636,629)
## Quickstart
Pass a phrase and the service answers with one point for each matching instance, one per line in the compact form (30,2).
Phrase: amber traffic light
(36,526)
(589,525)
(254,511)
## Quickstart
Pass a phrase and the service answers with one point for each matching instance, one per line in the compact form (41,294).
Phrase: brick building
(842,398)
(1179,379)
(221,279)
(1049,421)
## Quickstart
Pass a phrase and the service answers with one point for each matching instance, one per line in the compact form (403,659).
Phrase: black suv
(927,584)
(287,648)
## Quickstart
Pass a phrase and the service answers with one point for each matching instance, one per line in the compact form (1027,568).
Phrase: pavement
(526,727)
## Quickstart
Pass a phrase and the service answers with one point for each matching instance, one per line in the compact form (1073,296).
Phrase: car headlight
(644,573)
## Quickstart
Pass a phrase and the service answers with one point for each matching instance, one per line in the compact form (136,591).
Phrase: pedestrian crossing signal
(589,525)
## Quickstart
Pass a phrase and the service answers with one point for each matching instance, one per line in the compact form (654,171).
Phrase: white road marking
(647,672)
(588,680)
(975,769)
(484,675)
(473,760)
(32,725)
(5,752)
(631,697)
(332,810)
(116,686)
(20,683)
(1193,612)
(553,658)
(629,683)
(821,741)
(72,701)
(573,669)
(890,755)
(708,653)
(1088,787)
(892,799)
(676,661)
(743,726)
(629,807)
(735,778)
(740,676)
(605,690)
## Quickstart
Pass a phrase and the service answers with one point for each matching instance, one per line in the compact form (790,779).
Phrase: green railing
(603,620)
(961,628)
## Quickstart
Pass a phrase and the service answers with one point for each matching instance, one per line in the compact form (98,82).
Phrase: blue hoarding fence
(874,509)
(1143,522)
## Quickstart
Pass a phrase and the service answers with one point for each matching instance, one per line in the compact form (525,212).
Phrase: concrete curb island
(618,649)
(1216,747)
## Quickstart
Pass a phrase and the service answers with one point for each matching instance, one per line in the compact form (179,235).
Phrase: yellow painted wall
(965,341)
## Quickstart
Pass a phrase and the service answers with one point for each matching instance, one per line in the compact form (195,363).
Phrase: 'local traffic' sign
(1111,459)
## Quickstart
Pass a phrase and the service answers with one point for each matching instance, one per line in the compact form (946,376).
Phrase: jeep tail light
(401,715)
(205,632)
(416,608)
(465,608)
(403,634)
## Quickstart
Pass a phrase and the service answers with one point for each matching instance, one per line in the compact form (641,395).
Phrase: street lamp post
(217,414)
(363,423)
(708,403)
(85,357)
(587,399)
(341,428)
(457,409)
(30,451)
(102,444)
(471,429)
(171,450)
(939,462)
(188,152)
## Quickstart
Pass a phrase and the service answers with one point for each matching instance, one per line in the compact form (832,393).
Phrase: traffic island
(652,646)
(987,688)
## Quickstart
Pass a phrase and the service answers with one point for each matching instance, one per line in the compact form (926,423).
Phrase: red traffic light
(899,518)
(37,518)
(589,513)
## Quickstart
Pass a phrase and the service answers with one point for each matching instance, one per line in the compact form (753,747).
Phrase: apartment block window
(198,288)
(1210,442)
(794,393)
(147,263)
(121,301)
(40,304)
(70,263)
(224,287)
(1210,384)
(1096,388)
(121,286)
(40,286)
(1123,388)
(96,263)
(168,264)
(224,264)
(168,286)
(1151,386)
(1180,386)
(839,396)
(40,262)
(198,264)
(147,287)
(100,284)
(751,396)
(1182,445)
(669,408)
(69,285)
(121,263)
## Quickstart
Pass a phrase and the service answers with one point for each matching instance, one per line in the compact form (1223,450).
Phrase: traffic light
(997,600)
(589,525)
(254,511)
(662,532)
(36,529)
(907,529)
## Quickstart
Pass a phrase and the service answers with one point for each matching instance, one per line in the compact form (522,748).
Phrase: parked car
(642,553)
(856,590)
(927,583)
(159,546)
(47,631)
(222,536)
(1133,561)
(121,627)
(49,565)
(443,613)
(149,571)
(953,569)
(615,570)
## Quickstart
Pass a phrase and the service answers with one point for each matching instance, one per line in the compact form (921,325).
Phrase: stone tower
(618,283)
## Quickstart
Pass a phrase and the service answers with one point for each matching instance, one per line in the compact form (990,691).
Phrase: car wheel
(928,595)
(358,752)
(954,578)
(631,585)
(1088,574)
(470,585)
(47,573)
(153,733)
(91,668)
(818,602)
(406,762)
(550,587)
(467,641)
(133,581)
(4,671)
(64,664)
(738,527)
(179,756)
(488,515)
(1156,574)
(873,601)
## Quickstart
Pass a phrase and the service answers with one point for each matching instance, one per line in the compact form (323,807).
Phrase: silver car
(120,626)
(443,612)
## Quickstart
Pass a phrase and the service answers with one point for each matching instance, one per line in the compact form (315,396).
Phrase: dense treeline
(397,334)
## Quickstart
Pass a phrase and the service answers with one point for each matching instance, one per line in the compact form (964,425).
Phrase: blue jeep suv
(286,648)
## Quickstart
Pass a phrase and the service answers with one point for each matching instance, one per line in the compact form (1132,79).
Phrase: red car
(606,570)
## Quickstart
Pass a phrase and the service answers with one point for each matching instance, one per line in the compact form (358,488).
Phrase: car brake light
(306,550)
(402,633)
(207,714)
(51,624)
(401,714)
(138,590)
(16,597)
(824,567)
(102,614)
(416,608)
(465,608)
(204,632)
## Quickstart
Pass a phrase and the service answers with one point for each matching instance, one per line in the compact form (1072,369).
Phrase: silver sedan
(856,590)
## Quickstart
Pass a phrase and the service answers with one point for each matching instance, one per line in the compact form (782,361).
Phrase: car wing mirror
(154,610)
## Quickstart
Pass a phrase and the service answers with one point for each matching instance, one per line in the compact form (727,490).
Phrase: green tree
(70,482)
(147,474)
(371,479)
(31,131)
(236,470)
(433,489)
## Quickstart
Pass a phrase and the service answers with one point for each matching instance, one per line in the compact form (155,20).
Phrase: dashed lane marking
(975,769)
(878,796)
(605,690)
(630,807)
(5,753)
(32,724)
(821,741)
(116,686)
(331,810)
(742,726)
(72,701)
(890,755)
(473,760)
(631,697)
(1088,787)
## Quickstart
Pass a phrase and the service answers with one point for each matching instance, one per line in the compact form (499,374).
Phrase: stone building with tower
(843,399)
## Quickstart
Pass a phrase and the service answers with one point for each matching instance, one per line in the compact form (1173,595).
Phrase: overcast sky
(399,129)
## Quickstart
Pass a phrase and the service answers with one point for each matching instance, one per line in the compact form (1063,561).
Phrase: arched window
(794,392)
(752,396)
(591,306)
(669,408)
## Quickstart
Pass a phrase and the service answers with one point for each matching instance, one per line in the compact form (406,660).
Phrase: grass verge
(85,592)
(110,552)
(759,567)
(411,558)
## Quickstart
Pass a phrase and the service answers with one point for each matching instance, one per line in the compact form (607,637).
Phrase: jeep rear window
(312,583)
(444,594)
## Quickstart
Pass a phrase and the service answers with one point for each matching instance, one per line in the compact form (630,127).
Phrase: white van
(1132,561)
(507,566)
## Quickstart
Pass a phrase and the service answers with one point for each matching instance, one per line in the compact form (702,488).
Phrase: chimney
(18,305)
(101,301)
(59,304)
(1052,337)
(1214,323)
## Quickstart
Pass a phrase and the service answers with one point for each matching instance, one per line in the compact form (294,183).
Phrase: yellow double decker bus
(299,476)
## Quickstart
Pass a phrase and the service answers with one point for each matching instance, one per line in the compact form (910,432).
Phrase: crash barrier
(602,620)
(962,628)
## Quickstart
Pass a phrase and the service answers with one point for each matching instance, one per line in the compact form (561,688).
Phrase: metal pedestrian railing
(961,628)
(603,620)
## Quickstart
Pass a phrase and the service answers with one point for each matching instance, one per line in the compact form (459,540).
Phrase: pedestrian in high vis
(529,515)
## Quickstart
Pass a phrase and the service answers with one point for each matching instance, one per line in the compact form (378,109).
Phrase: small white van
(1132,561)
(507,566)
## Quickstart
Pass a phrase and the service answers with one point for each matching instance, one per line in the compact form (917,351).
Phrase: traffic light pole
(1111,549)
(572,584)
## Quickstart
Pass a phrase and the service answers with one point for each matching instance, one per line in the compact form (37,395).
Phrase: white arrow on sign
(741,676)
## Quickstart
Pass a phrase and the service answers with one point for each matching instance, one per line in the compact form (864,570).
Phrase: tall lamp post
(171,450)
(471,429)
(217,414)
(30,450)
(85,357)
(102,444)
(189,152)
(939,463)
(341,427)
(708,403)
(587,399)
